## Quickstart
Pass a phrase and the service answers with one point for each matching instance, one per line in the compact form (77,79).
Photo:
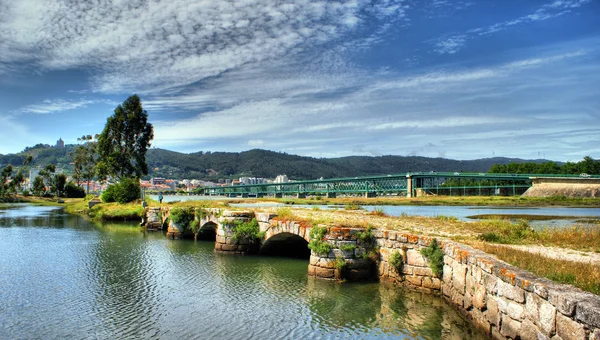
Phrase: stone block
(588,311)
(414,280)
(542,313)
(423,271)
(479,298)
(595,335)
(314,260)
(220,239)
(447,273)
(510,328)
(414,258)
(510,292)
(529,331)
(492,313)
(431,283)
(568,329)
(324,273)
(392,235)
(326,263)
(459,272)
(467,301)
(264,217)
(491,284)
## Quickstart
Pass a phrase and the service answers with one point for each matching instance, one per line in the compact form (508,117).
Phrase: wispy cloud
(60,105)
(452,43)
(149,46)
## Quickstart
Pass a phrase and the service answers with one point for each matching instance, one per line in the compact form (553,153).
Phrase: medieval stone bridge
(503,301)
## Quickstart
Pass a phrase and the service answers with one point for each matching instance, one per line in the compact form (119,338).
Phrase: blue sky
(436,78)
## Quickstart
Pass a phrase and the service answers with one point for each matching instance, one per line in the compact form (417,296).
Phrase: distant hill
(267,164)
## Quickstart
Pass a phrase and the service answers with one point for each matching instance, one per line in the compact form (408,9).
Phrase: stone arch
(286,244)
(286,238)
(207,231)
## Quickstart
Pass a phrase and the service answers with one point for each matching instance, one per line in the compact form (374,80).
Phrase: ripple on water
(72,279)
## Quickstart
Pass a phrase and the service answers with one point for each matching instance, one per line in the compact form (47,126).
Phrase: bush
(182,217)
(316,243)
(74,191)
(247,231)
(435,256)
(396,261)
(127,190)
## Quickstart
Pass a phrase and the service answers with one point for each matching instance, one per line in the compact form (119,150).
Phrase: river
(63,277)
(552,216)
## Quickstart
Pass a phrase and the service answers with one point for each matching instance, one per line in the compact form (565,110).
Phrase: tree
(85,159)
(38,186)
(60,180)
(123,143)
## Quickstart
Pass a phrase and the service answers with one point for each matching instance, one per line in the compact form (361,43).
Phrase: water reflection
(64,277)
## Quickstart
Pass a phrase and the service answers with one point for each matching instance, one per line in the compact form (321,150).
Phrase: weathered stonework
(503,301)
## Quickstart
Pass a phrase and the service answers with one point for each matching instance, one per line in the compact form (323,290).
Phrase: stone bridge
(504,301)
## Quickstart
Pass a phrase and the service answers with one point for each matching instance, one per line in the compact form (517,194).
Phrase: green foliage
(85,158)
(352,206)
(588,165)
(127,190)
(38,186)
(340,263)
(247,231)
(284,212)
(317,244)
(348,247)
(74,191)
(435,256)
(396,261)
(504,231)
(378,212)
(182,217)
(366,236)
(123,143)
(60,180)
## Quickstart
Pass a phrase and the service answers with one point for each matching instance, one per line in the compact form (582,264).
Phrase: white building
(281,179)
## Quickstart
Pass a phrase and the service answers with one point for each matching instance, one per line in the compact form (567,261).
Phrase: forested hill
(269,164)
(266,164)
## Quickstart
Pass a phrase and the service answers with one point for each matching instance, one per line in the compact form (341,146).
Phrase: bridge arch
(207,231)
(286,244)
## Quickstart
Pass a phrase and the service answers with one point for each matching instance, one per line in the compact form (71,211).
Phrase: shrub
(435,256)
(127,190)
(348,247)
(247,231)
(316,243)
(378,212)
(74,191)
(396,261)
(507,232)
(182,217)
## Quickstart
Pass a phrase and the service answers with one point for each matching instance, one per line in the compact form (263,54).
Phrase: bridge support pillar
(370,194)
(409,187)
(278,195)
(331,195)
(300,195)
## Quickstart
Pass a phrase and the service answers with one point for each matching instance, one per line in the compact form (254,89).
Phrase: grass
(513,201)
(581,275)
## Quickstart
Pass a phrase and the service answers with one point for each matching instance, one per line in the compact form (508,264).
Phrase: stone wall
(504,301)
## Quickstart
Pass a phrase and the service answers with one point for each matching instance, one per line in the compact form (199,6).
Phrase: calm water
(65,278)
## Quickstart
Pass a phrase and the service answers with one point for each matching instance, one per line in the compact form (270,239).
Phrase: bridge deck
(398,184)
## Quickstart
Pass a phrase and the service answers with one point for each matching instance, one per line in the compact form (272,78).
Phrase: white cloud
(148,46)
(59,105)
(455,42)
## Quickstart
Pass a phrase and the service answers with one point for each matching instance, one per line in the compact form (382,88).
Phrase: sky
(437,78)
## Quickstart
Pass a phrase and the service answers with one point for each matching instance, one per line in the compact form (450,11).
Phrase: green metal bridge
(410,184)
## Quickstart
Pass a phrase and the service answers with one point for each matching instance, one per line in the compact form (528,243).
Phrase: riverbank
(482,234)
